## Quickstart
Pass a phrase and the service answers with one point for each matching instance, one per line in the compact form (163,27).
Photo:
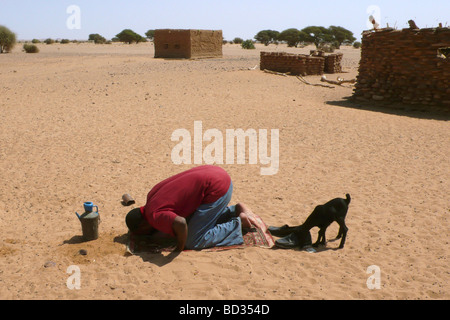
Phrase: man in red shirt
(193,207)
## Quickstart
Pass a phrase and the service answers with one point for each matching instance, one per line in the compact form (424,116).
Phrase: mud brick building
(301,64)
(409,66)
(188,43)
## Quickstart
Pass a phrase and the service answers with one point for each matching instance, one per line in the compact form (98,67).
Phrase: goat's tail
(348,199)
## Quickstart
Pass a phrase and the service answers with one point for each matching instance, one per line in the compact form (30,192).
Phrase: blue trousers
(214,224)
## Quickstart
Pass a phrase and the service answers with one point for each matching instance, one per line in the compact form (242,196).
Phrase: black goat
(322,216)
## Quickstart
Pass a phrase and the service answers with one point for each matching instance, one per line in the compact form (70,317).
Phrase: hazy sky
(237,18)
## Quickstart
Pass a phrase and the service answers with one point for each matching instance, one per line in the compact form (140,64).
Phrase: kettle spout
(78,215)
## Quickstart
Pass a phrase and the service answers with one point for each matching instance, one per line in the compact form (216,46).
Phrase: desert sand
(85,122)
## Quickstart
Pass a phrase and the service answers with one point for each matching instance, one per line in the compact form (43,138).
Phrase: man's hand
(246,216)
(180,229)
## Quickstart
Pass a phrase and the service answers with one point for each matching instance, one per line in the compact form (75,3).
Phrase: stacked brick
(333,63)
(295,64)
(405,66)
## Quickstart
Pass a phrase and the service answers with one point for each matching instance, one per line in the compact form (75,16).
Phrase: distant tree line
(126,36)
(314,34)
(8,39)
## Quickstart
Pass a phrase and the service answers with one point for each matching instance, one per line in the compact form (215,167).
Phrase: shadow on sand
(414,111)
(159,259)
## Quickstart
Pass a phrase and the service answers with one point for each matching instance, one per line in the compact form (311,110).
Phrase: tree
(129,36)
(292,36)
(318,35)
(150,34)
(7,39)
(341,34)
(97,38)
(267,36)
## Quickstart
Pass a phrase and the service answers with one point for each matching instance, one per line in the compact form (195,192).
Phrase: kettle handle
(99,220)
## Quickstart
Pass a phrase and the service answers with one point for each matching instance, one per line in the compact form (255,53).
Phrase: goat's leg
(340,233)
(322,231)
(321,237)
(343,227)
(318,240)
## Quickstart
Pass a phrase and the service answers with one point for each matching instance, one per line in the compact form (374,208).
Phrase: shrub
(326,47)
(49,41)
(336,44)
(356,44)
(65,41)
(30,48)
(35,41)
(238,40)
(248,44)
(7,39)
(98,39)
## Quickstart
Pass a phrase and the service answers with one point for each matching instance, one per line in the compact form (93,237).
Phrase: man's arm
(180,229)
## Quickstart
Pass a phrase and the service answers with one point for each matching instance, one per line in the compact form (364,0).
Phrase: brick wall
(300,64)
(296,64)
(404,66)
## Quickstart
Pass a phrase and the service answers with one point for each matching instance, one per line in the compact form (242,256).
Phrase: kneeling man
(193,207)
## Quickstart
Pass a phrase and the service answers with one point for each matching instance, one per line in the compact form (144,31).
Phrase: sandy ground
(84,122)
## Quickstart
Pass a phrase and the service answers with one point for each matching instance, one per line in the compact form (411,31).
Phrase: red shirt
(182,194)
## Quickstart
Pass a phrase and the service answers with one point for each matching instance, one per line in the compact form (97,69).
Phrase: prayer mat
(159,242)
